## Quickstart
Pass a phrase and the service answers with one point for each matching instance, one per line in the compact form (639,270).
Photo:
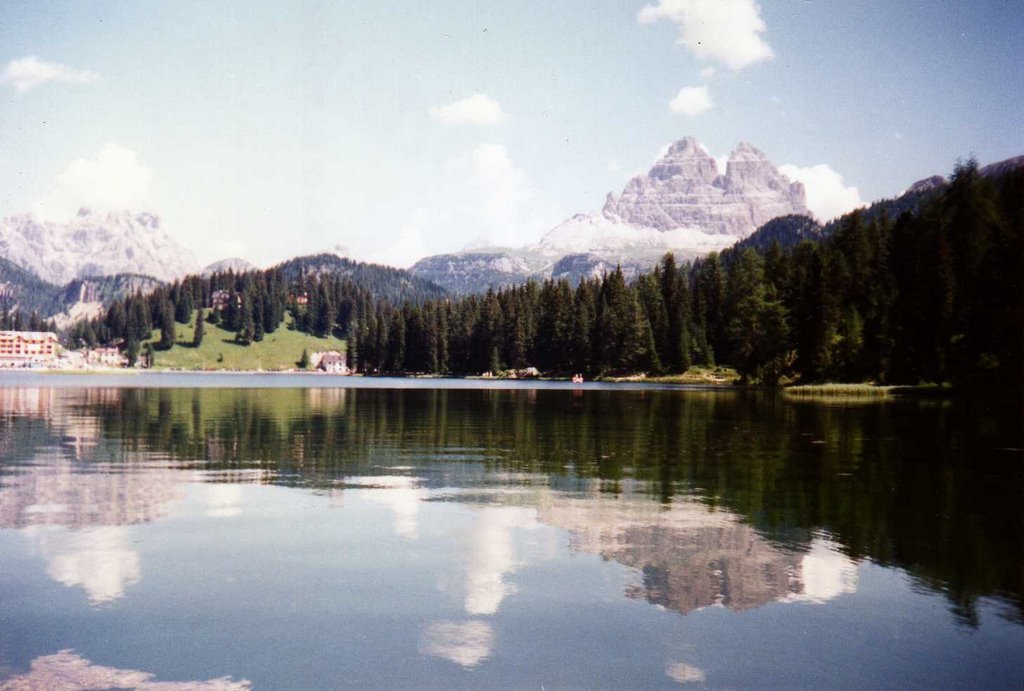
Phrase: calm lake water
(279,532)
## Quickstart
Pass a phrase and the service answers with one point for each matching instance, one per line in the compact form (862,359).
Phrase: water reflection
(689,556)
(711,499)
(53,490)
(466,643)
(223,500)
(684,673)
(100,560)
(635,473)
(825,573)
(68,671)
(491,558)
(402,496)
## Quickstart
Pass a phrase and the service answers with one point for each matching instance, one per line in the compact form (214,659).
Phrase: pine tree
(132,350)
(230,318)
(323,312)
(197,336)
(168,328)
(183,306)
(246,324)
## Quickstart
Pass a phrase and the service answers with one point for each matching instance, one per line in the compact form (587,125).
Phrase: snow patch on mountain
(592,233)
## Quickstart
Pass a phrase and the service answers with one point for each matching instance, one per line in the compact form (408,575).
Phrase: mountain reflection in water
(703,499)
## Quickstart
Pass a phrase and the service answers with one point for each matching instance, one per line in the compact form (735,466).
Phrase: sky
(396,130)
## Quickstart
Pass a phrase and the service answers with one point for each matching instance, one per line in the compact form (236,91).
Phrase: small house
(330,361)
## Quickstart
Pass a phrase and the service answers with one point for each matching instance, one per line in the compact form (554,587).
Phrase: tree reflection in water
(732,498)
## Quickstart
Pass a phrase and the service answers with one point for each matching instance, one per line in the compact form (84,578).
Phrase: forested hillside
(321,295)
(22,291)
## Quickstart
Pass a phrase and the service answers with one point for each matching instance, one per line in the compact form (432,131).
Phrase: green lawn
(280,350)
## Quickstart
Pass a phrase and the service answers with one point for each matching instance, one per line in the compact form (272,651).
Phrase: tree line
(20,320)
(929,296)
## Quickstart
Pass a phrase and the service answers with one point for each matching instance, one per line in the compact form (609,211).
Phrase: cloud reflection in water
(99,560)
(466,643)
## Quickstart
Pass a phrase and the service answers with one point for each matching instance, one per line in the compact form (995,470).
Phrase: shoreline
(831,392)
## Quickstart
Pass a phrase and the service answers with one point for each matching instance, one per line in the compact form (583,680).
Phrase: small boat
(577,379)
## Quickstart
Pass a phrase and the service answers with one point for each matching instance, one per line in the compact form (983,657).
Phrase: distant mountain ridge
(385,282)
(224,265)
(683,204)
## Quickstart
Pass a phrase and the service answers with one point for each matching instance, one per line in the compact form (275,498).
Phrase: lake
(285,532)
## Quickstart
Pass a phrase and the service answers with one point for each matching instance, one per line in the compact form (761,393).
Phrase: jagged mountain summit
(684,204)
(685,189)
(93,244)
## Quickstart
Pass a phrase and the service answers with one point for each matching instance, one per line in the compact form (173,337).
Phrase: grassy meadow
(280,350)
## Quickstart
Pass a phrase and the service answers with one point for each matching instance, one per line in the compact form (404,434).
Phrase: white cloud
(725,31)
(502,188)
(112,180)
(408,246)
(478,109)
(691,100)
(29,72)
(230,247)
(827,195)
(479,197)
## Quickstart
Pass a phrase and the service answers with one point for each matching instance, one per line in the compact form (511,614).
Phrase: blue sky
(395,130)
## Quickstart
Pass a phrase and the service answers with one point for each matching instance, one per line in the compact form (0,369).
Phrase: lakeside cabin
(27,348)
(330,361)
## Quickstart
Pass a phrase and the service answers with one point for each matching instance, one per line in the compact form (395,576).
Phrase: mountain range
(683,204)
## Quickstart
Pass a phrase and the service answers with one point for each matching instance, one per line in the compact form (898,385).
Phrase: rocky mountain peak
(94,244)
(685,159)
(746,152)
(684,189)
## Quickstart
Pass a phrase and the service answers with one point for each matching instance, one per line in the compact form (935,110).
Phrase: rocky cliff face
(684,204)
(685,189)
(94,245)
(475,272)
